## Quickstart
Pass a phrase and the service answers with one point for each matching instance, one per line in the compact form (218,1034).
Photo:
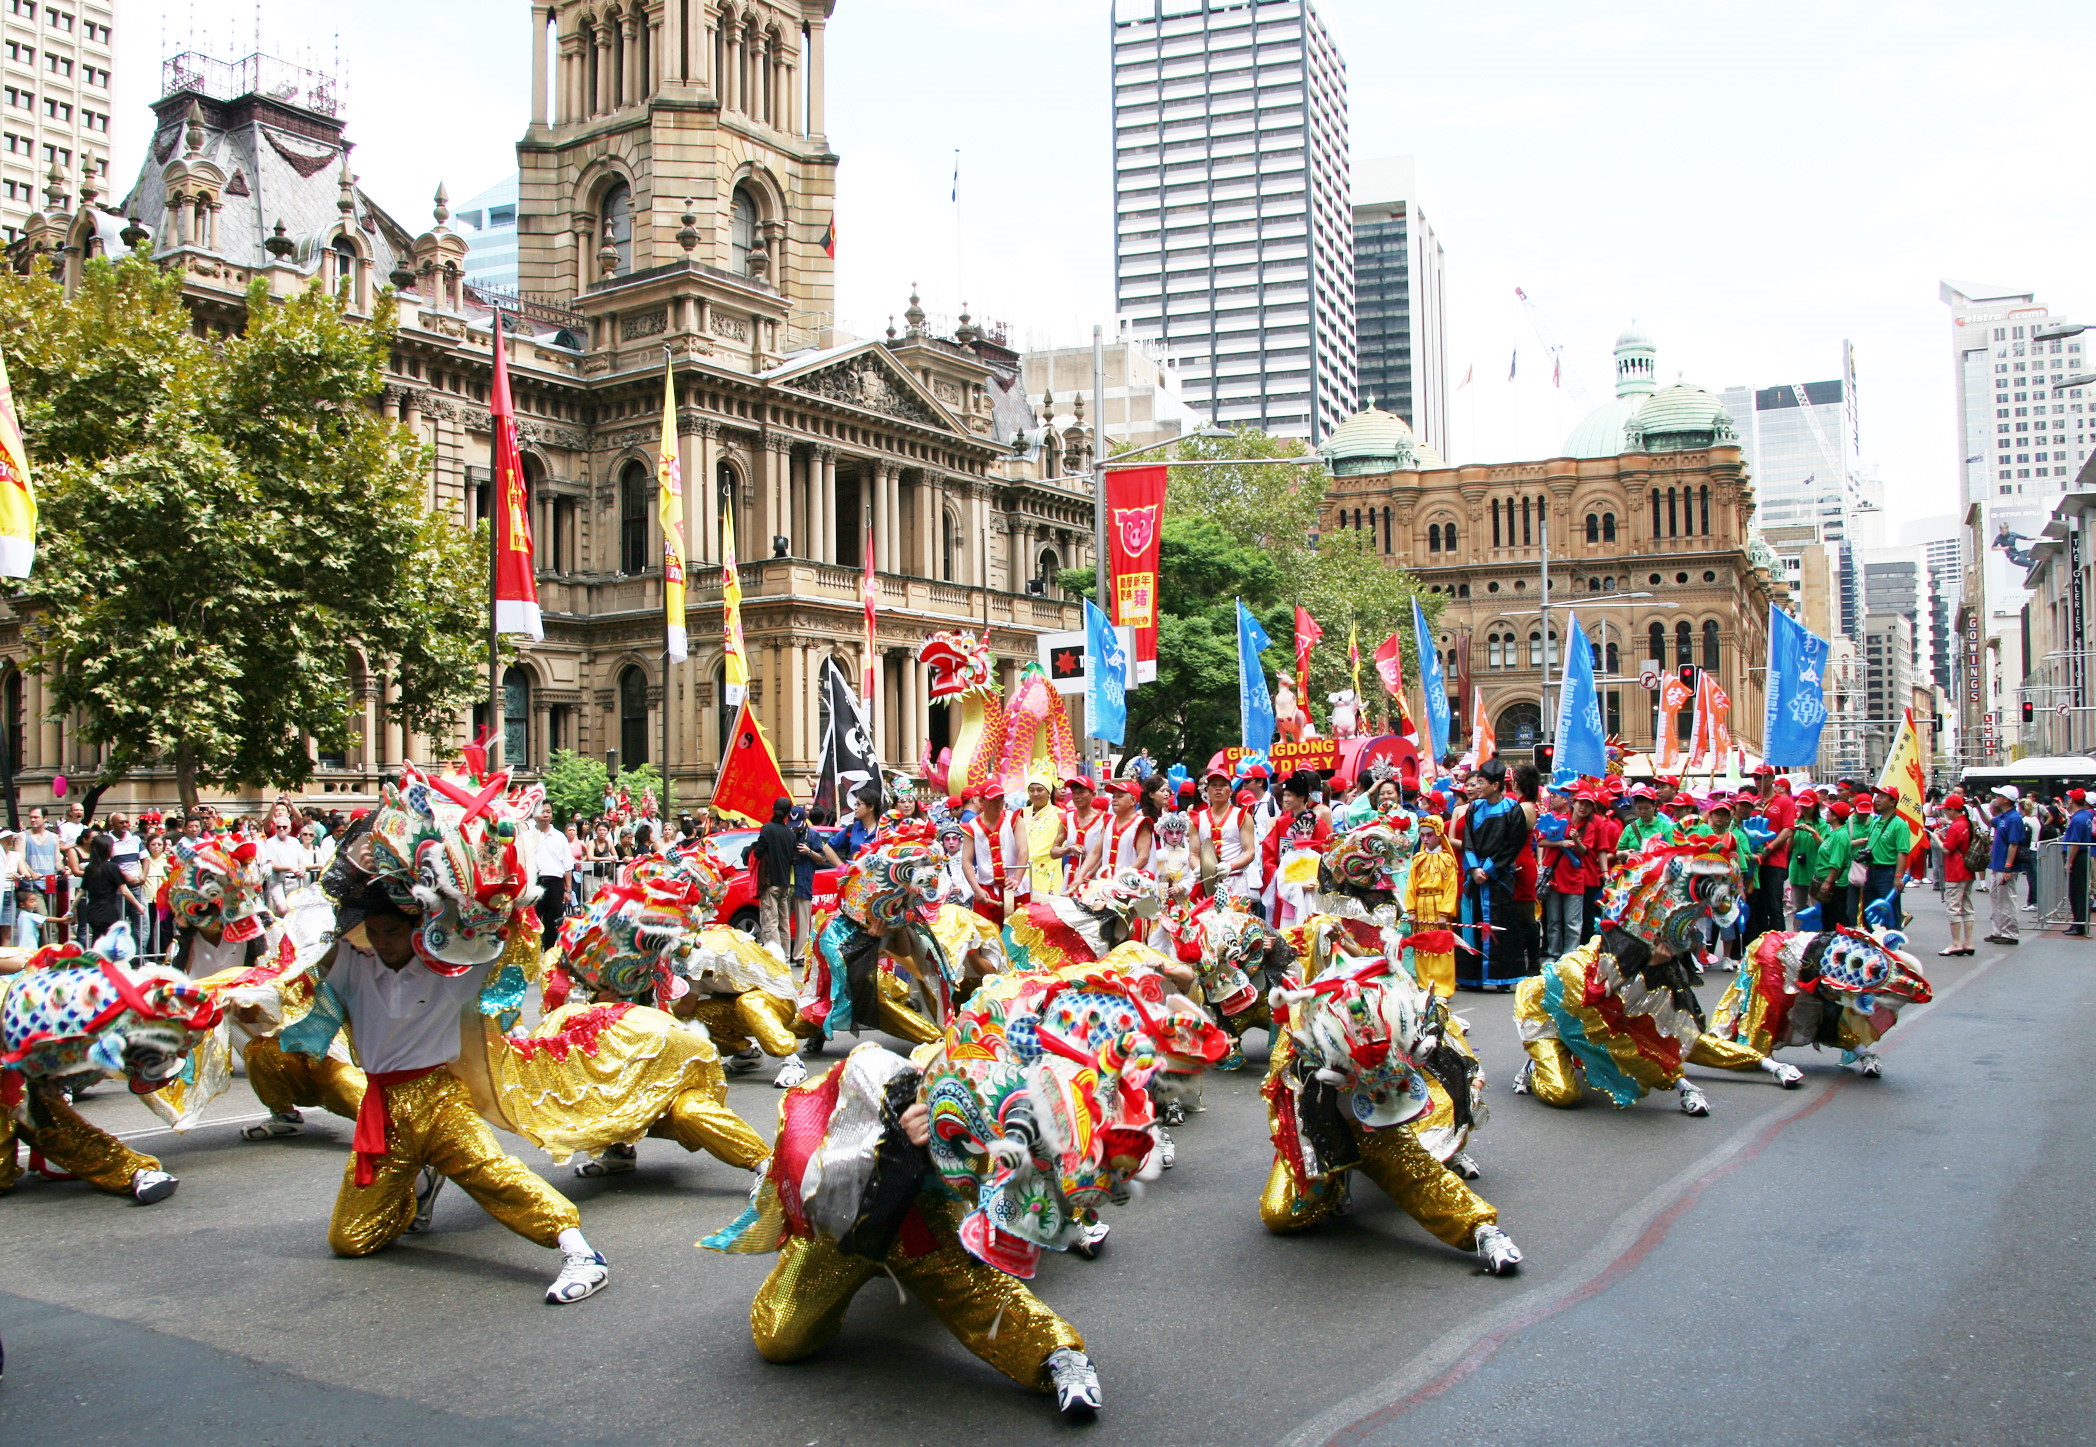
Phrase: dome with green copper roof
(1373,441)
(1681,418)
(1605,432)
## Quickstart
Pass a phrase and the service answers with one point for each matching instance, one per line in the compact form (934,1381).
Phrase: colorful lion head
(1359,862)
(628,939)
(1661,895)
(76,1013)
(1128,894)
(1229,948)
(219,883)
(1356,1029)
(697,867)
(959,662)
(900,879)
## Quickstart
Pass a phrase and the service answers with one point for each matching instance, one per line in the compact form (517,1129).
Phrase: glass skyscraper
(1233,221)
(1399,301)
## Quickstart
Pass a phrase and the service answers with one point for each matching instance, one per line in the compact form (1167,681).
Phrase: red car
(739,907)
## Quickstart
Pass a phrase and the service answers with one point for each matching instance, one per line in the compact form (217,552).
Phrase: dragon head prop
(1662,894)
(1040,1101)
(959,663)
(899,880)
(629,939)
(697,867)
(1127,894)
(1355,1030)
(1359,863)
(76,1014)
(219,883)
(1229,948)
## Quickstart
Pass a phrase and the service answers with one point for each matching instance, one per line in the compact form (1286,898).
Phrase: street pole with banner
(1099,559)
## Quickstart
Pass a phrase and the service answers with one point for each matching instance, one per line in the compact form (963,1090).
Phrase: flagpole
(1099,559)
(497,510)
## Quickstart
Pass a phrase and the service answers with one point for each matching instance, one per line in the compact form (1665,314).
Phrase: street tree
(229,531)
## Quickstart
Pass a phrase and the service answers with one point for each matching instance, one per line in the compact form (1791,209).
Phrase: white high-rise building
(1801,444)
(489,224)
(1233,219)
(54,103)
(1400,305)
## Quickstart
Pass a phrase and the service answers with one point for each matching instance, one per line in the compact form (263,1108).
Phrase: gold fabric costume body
(802,1303)
(736,1022)
(1429,1192)
(1555,1080)
(698,1121)
(70,1144)
(1718,1053)
(897,1018)
(432,1122)
(283,1080)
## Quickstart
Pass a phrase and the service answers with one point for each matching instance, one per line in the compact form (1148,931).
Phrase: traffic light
(2029,710)
(1545,754)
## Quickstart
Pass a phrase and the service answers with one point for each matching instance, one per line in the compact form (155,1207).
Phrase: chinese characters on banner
(1797,708)
(1673,697)
(1134,523)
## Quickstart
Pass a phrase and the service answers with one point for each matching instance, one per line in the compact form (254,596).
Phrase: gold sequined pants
(284,1080)
(802,1303)
(1555,1080)
(1721,1054)
(71,1145)
(698,1122)
(433,1123)
(738,1021)
(1430,1192)
(897,1018)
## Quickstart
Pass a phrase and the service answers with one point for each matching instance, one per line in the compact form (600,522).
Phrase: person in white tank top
(1122,841)
(1226,840)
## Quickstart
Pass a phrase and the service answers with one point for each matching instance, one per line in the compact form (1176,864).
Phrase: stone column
(792,701)
(708,546)
(731,82)
(367,764)
(538,65)
(600,93)
(892,556)
(671,64)
(824,463)
(793,100)
(816,125)
(630,77)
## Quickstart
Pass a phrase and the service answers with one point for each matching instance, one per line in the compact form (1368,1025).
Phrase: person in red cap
(1801,874)
(1957,835)
(1081,821)
(1837,852)
(1646,823)
(2077,840)
(1225,842)
(1122,841)
(1767,886)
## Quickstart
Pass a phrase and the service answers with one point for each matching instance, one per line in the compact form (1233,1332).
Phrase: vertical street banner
(1134,528)
(1432,686)
(735,658)
(1255,706)
(1307,634)
(17,493)
(847,743)
(1674,696)
(1353,661)
(1582,743)
(1699,731)
(516,580)
(1720,721)
(1904,773)
(669,502)
(1484,743)
(749,777)
(1796,711)
(1106,677)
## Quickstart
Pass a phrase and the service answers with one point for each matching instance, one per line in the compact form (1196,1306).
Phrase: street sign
(1648,674)
(1062,655)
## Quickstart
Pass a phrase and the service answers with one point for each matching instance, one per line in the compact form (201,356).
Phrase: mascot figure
(963,676)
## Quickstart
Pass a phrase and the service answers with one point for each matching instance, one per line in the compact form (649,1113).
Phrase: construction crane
(1566,374)
(1819,433)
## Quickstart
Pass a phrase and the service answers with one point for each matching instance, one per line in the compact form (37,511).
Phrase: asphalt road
(1890,1261)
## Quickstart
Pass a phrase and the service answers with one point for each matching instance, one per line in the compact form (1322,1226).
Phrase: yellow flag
(17,496)
(1904,773)
(669,479)
(735,676)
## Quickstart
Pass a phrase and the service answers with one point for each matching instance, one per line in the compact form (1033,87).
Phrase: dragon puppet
(1032,1110)
(71,1018)
(1621,1010)
(963,678)
(1838,988)
(1107,914)
(887,900)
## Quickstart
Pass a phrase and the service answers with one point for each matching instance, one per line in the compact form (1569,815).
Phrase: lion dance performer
(72,1018)
(886,900)
(1621,1010)
(1344,1087)
(954,1169)
(1838,989)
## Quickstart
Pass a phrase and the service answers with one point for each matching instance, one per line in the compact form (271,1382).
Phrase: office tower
(54,105)
(1399,308)
(1888,681)
(489,223)
(1800,444)
(1233,237)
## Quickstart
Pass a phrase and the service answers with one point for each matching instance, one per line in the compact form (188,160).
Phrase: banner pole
(1099,559)
(497,511)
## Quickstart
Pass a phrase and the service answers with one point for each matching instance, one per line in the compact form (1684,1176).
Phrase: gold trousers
(1430,1192)
(432,1123)
(284,1080)
(70,1144)
(738,1021)
(898,1019)
(802,1303)
(698,1122)
(1555,1080)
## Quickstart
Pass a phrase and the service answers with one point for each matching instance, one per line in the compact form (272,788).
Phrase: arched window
(1608,527)
(1684,646)
(1535,648)
(1433,537)
(1495,522)
(742,231)
(1520,726)
(1673,515)
(1614,666)
(1593,527)
(1710,646)
(1462,589)
(1527,535)
(1656,640)
(343,255)
(1448,544)
(1705,492)
(633,519)
(633,718)
(1656,533)
(1045,569)
(516,718)
(1386,529)
(615,223)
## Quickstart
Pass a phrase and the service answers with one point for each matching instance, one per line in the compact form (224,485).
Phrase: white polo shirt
(404,1019)
(553,852)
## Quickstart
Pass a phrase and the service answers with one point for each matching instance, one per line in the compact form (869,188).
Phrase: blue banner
(1582,743)
(1255,706)
(1797,709)
(1106,677)
(1432,685)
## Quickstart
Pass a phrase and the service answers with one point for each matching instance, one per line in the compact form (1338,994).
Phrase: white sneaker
(280,1123)
(1869,1066)
(428,1181)
(582,1273)
(616,1161)
(1693,1101)
(1076,1383)
(1524,1075)
(1088,1246)
(1787,1076)
(742,1062)
(149,1186)
(1464,1166)
(1498,1251)
(792,1071)
(1167,1151)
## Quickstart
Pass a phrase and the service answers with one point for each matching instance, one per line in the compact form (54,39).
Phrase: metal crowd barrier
(2049,860)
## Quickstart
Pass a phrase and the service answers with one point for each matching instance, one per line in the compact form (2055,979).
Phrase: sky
(1752,184)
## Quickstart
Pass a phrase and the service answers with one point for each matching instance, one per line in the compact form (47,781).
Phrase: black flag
(847,751)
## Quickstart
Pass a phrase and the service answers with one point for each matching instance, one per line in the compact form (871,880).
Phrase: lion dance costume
(1838,989)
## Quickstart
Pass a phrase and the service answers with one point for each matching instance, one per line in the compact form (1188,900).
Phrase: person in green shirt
(1646,824)
(1804,854)
(1888,842)
(1835,853)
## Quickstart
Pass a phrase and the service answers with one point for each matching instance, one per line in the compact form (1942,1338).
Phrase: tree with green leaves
(229,530)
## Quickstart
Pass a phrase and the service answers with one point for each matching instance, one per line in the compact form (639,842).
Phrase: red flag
(516,581)
(829,238)
(1484,742)
(749,778)
(1135,523)
(1306,635)
(1390,668)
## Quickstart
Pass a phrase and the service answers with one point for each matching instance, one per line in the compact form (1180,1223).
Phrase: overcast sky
(1753,184)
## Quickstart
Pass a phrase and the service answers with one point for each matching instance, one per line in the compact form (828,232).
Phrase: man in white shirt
(286,861)
(128,853)
(417,1126)
(555,861)
(75,821)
